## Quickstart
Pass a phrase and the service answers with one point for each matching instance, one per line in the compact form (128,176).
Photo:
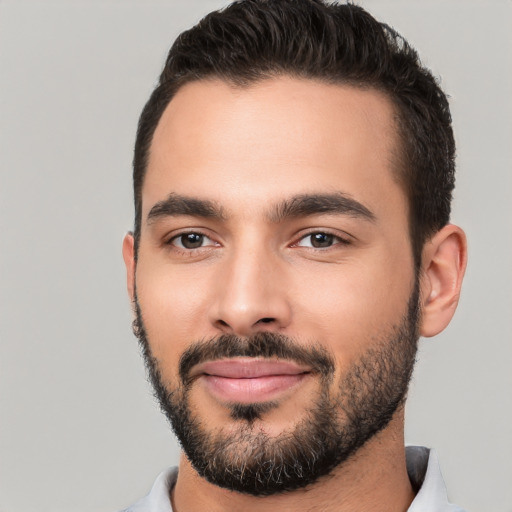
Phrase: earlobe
(129,261)
(443,267)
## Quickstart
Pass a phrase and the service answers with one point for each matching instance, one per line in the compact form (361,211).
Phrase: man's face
(274,209)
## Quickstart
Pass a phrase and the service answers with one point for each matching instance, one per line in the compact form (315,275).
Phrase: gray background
(79,428)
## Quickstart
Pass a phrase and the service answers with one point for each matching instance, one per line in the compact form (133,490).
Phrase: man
(293,173)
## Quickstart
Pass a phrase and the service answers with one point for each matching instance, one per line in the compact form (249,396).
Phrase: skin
(248,150)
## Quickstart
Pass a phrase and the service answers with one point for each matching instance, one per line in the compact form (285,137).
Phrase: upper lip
(248,368)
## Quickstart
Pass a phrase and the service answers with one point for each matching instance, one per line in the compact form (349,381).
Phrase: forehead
(276,136)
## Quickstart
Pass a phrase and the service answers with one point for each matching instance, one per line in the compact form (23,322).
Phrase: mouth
(249,380)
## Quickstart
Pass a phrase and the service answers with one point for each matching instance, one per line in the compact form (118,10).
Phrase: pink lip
(248,380)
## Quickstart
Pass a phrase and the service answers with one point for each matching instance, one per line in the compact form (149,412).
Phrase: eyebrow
(315,204)
(302,205)
(175,205)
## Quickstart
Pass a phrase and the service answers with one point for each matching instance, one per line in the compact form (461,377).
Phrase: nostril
(266,320)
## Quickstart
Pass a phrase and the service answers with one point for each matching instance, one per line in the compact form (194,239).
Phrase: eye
(191,240)
(320,240)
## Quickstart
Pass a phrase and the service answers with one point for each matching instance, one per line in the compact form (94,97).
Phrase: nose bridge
(250,296)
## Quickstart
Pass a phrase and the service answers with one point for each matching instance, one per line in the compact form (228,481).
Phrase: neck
(374,478)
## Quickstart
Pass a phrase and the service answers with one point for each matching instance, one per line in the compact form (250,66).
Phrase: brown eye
(192,240)
(189,240)
(319,240)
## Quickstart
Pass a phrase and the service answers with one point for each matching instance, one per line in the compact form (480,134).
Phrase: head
(293,172)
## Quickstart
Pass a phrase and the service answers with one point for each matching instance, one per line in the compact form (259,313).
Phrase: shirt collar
(426,479)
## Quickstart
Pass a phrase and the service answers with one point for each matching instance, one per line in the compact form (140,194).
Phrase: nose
(250,294)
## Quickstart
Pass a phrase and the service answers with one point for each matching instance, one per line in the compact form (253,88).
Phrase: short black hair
(251,40)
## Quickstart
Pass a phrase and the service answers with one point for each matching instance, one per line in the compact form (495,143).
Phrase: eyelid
(186,231)
(342,239)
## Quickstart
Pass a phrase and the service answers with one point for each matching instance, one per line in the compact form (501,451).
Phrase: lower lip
(251,390)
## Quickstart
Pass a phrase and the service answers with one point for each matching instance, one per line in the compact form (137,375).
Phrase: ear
(443,266)
(129,261)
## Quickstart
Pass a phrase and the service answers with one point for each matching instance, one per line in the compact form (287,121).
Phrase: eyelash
(336,240)
(184,250)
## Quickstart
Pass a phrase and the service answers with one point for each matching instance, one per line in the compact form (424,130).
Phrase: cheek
(350,307)
(172,305)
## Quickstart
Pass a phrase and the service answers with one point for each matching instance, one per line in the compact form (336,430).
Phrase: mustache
(263,345)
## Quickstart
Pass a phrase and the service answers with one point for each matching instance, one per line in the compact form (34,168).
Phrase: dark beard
(338,423)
